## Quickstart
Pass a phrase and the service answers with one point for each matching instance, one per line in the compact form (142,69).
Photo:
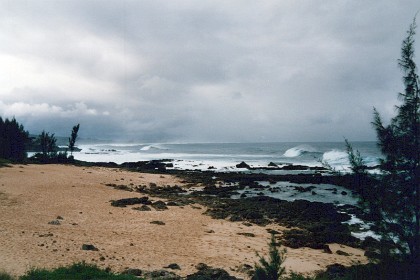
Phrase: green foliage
(13,140)
(270,269)
(5,276)
(396,199)
(77,271)
(400,144)
(72,139)
(48,143)
(4,163)
(355,158)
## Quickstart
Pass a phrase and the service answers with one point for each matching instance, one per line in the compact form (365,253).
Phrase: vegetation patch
(77,271)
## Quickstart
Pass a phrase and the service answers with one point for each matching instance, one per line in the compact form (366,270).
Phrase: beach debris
(89,247)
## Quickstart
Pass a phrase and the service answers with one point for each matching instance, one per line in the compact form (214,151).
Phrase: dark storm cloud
(202,70)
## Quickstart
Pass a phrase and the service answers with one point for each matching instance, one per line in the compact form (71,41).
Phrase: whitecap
(298,151)
(336,157)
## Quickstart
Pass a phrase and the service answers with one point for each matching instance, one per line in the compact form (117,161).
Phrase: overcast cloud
(212,71)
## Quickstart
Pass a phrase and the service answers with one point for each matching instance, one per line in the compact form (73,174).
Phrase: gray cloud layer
(202,70)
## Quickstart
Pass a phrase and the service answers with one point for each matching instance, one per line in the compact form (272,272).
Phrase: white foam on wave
(298,151)
(336,157)
(153,147)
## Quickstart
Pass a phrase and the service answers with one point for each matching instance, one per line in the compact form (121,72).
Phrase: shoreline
(32,196)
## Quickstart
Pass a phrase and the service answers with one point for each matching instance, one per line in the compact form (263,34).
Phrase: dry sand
(31,196)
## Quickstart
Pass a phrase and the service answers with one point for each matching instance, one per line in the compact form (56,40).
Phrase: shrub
(270,269)
(77,271)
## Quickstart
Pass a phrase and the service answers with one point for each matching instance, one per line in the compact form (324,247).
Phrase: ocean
(224,157)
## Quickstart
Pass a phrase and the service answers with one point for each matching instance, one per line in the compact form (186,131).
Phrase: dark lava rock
(159,205)
(304,189)
(327,249)
(89,247)
(54,222)
(247,269)
(152,165)
(206,272)
(342,253)
(370,242)
(119,187)
(372,253)
(173,266)
(172,203)
(161,275)
(236,218)
(344,193)
(130,201)
(295,167)
(133,271)
(243,165)
(247,234)
(272,164)
(59,218)
(142,208)
(272,231)
(335,271)
(160,223)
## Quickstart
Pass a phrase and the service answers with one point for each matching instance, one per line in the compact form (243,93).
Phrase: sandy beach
(33,196)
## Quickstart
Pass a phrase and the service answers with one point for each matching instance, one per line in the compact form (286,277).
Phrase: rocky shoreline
(309,224)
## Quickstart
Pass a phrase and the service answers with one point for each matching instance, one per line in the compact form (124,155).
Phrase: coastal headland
(53,215)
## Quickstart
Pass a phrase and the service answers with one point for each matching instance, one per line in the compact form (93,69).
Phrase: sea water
(225,156)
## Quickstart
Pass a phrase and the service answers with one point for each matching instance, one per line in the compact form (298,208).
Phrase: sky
(202,71)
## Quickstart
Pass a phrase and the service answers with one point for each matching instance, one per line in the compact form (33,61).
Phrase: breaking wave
(299,150)
(336,157)
(152,147)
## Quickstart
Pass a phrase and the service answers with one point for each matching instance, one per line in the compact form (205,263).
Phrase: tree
(270,269)
(396,199)
(48,144)
(72,139)
(13,140)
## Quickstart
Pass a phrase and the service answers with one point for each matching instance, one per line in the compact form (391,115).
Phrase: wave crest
(336,157)
(298,151)
(152,147)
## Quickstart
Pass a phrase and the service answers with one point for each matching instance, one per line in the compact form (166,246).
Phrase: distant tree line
(15,142)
